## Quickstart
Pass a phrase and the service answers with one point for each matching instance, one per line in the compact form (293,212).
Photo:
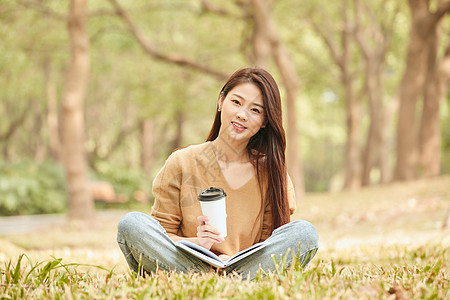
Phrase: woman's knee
(132,221)
(305,233)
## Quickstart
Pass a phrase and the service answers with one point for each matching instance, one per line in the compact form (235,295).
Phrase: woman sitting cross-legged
(244,155)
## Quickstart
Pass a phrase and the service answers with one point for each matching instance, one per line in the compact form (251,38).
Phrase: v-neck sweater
(190,170)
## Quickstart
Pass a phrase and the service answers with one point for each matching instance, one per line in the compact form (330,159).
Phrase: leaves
(31,188)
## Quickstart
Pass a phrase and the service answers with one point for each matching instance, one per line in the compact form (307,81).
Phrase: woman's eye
(235,101)
(256,110)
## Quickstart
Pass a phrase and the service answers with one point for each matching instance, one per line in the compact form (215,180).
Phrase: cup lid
(211,194)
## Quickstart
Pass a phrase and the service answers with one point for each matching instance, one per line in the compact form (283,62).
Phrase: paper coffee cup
(213,205)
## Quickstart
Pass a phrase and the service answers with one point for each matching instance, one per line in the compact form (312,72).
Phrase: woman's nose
(242,114)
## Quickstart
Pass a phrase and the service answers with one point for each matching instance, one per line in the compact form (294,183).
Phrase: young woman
(245,155)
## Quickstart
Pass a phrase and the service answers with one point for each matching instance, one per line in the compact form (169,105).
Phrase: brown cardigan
(195,168)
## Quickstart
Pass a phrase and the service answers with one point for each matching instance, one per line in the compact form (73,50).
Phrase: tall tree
(422,40)
(81,205)
(374,38)
(261,50)
(338,42)
(147,145)
(52,110)
(436,87)
(13,126)
(267,28)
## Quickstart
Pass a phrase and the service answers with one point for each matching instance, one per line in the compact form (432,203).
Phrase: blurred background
(94,95)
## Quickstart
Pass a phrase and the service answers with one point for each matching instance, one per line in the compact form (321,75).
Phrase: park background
(96,94)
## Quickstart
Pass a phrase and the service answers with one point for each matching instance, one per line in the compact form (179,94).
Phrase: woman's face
(242,112)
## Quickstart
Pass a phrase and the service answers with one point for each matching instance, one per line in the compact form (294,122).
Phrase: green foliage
(28,187)
(125,181)
(126,85)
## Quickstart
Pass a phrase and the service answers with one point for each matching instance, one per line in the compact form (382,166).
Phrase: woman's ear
(220,102)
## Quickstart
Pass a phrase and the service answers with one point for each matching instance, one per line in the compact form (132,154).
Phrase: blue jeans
(146,245)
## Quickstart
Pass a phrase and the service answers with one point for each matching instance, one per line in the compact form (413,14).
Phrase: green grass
(420,273)
(382,242)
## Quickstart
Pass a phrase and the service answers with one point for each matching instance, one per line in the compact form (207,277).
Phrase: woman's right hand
(207,235)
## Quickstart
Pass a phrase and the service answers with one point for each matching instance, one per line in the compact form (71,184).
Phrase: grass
(420,273)
(381,242)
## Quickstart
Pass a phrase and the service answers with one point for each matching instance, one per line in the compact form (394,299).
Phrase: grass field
(381,242)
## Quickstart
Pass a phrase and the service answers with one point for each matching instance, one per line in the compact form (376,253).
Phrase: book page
(213,259)
(244,253)
(200,252)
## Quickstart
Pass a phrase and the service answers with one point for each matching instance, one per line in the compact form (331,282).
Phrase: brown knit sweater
(195,168)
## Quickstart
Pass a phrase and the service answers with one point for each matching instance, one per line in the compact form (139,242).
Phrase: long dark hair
(267,147)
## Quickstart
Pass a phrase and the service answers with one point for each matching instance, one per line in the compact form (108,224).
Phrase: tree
(436,86)
(147,145)
(81,205)
(151,49)
(374,40)
(52,110)
(341,53)
(13,125)
(422,40)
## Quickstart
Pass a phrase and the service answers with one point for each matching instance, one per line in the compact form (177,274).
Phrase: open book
(214,260)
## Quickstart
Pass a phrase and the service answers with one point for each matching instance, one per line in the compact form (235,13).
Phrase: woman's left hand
(207,235)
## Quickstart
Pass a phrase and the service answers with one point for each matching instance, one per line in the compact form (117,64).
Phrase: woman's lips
(238,127)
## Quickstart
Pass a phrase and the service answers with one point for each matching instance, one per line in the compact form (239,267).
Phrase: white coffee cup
(213,205)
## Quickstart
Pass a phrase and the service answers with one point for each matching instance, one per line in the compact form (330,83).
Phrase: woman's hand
(207,235)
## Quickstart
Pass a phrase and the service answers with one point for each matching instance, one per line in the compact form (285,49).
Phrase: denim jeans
(146,245)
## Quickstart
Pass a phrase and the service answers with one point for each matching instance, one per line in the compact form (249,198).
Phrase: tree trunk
(375,142)
(179,121)
(81,205)
(385,169)
(373,145)
(352,153)
(147,137)
(341,56)
(52,112)
(410,90)
(38,149)
(261,48)
(435,90)
(353,166)
(373,38)
(389,113)
(376,138)
(13,126)
(423,26)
